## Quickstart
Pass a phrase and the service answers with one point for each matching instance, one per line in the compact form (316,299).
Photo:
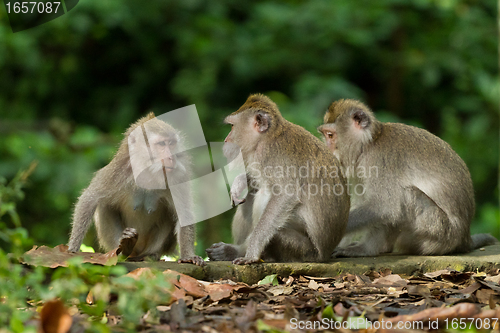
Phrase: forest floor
(387,293)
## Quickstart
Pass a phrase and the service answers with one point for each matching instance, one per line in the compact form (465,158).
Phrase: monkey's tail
(480,240)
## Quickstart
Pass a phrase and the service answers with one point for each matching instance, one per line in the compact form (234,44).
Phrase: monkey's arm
(82,218)
(185,228)
(274,218)
(185,238)
(241,228)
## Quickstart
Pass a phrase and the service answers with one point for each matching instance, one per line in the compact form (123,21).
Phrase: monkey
(123,201)
(297,204)
(419,197)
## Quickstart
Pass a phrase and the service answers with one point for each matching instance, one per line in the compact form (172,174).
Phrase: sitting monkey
(409,190)
(287,215)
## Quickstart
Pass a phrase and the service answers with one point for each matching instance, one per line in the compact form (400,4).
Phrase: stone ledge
(398,264)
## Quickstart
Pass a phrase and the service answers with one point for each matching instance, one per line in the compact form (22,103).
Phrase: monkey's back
(436,169)
(298,145)
(327,211)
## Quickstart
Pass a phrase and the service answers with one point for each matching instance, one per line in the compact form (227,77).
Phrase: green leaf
(273,279)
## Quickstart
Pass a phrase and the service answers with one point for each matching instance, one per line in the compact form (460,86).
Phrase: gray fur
(117,204)
(420,202)
(277,226)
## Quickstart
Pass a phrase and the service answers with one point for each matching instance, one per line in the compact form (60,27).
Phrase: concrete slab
(478,260)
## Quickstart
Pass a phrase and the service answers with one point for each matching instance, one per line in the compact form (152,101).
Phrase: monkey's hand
(235,201)
(197,260)
(222,252)
(245,261)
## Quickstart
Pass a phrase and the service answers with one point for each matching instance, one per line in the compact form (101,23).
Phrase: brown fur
(281,227)
(116,202)
(421,201)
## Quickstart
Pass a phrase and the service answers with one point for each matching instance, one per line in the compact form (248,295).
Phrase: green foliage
(22,288)
(13,236)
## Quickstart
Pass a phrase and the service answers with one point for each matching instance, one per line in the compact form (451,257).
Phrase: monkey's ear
(262,121)
(361,119)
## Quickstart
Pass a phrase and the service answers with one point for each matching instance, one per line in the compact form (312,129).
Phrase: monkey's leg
(430,230)
(290,245)
(109,227)
(377,240)
(274,218)
(186,246)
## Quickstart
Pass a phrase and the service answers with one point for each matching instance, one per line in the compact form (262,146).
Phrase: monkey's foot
(222,252)
(72,249)
(197,260)
(127,241)
(245,261)
(353,250)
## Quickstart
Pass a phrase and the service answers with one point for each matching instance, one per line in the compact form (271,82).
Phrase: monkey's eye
(161,143)
(172,142)
(329,135)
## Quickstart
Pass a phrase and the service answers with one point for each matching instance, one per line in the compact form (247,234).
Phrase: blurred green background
(70,87)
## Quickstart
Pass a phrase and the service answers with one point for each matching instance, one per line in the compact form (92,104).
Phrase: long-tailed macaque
(121,204)
(410,191)
(297,206)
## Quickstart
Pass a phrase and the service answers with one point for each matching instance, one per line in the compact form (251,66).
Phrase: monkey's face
(231,148)
(153,147)
(163,148)
(329,133)
(247,129)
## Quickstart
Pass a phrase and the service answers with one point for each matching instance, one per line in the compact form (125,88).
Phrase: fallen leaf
(436,274)
(457,277)
(495,279)
(192,286)
(462,310)
(280,290)
(391,280)
(272,279)
(419,290)
(54,317)
(59,255)
(484,295)
(218,291)
(313,285)
(489,284)
(470,289)
(248,316)
(340,310)
(141,272)
(289,281)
